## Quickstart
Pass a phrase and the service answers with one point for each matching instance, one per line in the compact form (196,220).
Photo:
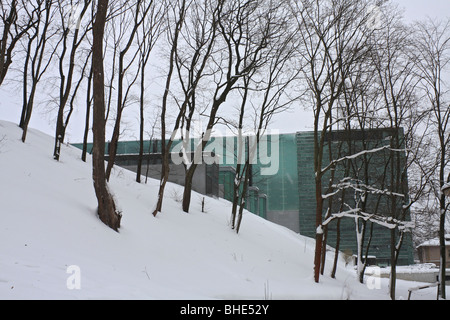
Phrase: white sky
(413,10)
(296,120)
(418,9)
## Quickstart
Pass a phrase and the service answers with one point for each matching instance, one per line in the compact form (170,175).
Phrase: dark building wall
(379,173)
(205,180)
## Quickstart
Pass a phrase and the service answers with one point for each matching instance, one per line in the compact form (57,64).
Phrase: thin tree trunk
(141,130)
(66,83)
(28,111)
(442,210)
(319,230)
(165,150)
(393,275)
(318,154)
(88,114)
(188,188)
(244,196)
(336,251)
(36,65)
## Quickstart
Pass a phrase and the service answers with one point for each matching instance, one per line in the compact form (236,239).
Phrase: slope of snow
(49,228)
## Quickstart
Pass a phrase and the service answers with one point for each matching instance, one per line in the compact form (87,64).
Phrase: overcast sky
(299,120)
(418,9)
(413,10)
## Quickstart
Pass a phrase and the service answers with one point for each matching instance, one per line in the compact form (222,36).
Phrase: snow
(53,246)
(435,242)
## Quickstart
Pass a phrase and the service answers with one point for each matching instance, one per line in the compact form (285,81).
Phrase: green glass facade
(378,173)
(287,195)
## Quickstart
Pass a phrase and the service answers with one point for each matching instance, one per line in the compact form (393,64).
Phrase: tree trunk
(236,194)
(36,65)
(112,150)
(188,187)
(237,182)
(65,87)
(106,206)
(319,230)
(244,195)
(393,276)
(88,114)
(336,251)
(141,124)
(28,111)
(442,248)
(165,149)
(442,213)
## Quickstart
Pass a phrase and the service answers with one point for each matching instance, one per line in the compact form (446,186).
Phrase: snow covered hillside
(53,246)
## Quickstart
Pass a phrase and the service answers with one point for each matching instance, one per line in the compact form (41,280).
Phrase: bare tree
(192,53)
(333,36)
(432,59)
(88,114)
(37,59)
(245,33)
(124,67)
(178,10)
(354,117)
(392,94)
(397,85)
(264,93)
(70,22)
(193,60)
(17,20)
(107,211)
(88,97)
(151,30)
(388,102)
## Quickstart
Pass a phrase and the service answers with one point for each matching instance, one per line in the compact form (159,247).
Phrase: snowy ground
(53,246)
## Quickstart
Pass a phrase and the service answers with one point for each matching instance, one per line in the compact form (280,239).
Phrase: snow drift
(53,246)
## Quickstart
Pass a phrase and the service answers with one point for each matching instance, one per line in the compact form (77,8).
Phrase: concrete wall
(422,276)
(176,175)
(287,218)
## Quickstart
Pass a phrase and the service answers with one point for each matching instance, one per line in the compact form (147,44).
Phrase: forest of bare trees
(356,65)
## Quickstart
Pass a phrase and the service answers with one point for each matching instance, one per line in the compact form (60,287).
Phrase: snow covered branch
(359,187)
(359,154)
(384,221)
